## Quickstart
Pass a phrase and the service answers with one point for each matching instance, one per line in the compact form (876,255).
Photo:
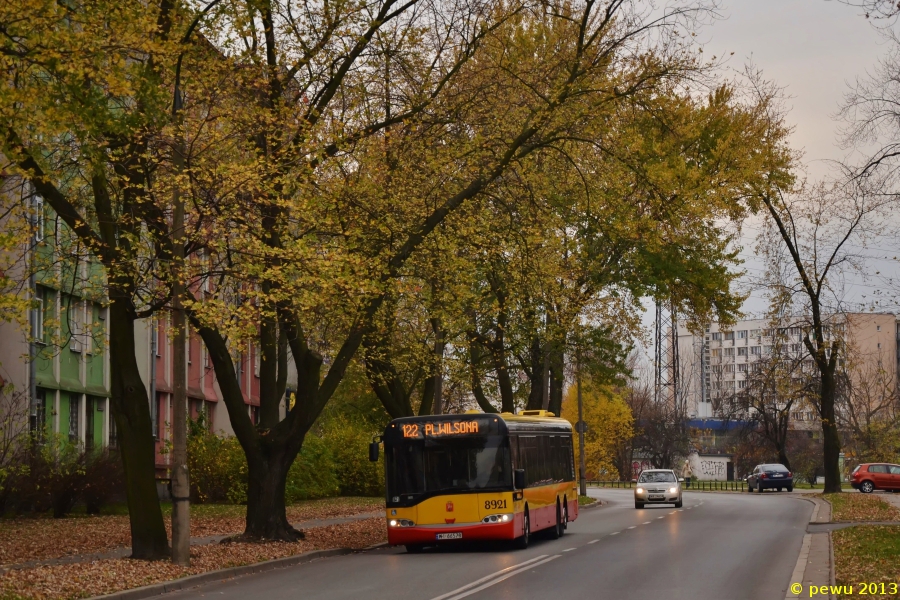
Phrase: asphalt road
(717,547)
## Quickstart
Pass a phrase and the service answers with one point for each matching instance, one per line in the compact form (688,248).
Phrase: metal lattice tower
(665,339)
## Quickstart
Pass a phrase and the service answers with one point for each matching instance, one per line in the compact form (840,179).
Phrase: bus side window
(527,451)
(570,457)
(514,451)
(557,459)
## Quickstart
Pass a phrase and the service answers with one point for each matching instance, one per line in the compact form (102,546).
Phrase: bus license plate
(449,536)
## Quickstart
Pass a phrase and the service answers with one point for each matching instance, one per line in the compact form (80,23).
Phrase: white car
(658,486)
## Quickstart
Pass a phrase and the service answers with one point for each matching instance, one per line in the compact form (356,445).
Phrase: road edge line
(800,567)
(157,589)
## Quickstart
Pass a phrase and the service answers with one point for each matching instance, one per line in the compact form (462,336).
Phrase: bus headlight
(401,523)
(497,519)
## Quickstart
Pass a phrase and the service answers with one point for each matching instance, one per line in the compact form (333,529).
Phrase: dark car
(770,476)
(870,477)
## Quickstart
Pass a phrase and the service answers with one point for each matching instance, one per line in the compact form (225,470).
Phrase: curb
(157,589)
(597,502)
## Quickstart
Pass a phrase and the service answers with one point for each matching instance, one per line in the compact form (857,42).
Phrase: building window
(38,422)
(742,335)
(742,368)
(742,351)
(742,384)
(38,221)
(716,352)
(878,328)
(729,336)
(40,307)
(754,333)
(90,403)
(113,430)
(76,319)
(73,417)
(717,336)
(755,350)
(155,325)
(729,351)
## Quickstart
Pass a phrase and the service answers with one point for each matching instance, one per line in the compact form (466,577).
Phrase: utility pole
(582,483)
(181,508)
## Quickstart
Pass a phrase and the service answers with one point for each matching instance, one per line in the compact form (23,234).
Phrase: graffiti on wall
(712,469)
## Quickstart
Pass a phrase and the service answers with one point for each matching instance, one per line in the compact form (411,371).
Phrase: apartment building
(723,361)
(55,359)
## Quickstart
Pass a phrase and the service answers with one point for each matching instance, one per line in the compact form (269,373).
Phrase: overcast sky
(813,49)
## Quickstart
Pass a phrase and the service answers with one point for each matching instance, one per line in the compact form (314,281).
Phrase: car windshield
(426,466)
(778,468)
(656,477)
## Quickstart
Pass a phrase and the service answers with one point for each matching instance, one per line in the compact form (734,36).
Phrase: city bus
(477,476)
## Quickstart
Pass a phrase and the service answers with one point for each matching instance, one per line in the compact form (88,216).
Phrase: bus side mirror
(519,479)
(373,451)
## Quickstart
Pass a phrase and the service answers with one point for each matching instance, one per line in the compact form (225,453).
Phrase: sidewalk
(195,541)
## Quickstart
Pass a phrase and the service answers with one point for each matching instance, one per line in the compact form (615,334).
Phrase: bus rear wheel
(521,542)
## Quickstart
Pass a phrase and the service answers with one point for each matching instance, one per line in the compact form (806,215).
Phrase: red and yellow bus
(478,476)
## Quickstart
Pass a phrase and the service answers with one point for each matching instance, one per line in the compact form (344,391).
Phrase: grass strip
(866,557)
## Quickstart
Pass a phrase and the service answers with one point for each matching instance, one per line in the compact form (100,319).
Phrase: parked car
(658,486)
(869,477)
(770,476)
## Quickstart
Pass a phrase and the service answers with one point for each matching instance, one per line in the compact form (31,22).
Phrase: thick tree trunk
(557,377)
(536,394)
(267,479)
(830,438)
(131,411)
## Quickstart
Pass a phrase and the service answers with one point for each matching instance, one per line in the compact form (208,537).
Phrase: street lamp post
(582,482)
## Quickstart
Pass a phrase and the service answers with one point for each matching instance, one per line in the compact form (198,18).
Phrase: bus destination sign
(417,430)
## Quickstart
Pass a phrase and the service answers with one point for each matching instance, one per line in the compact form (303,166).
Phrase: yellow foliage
(609,426)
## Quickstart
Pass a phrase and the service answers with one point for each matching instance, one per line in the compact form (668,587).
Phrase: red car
(869,477)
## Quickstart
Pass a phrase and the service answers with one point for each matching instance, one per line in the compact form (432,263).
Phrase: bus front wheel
(521,542)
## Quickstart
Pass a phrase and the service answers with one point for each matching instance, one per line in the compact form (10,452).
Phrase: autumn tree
(610,427)
(82,110)
(815,236)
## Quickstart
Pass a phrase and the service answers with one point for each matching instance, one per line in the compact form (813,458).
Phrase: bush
(313,474)
(349,444)
(104,480)
(218,468)
(332,463)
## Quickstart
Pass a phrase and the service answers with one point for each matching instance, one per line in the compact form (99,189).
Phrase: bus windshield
(465,463)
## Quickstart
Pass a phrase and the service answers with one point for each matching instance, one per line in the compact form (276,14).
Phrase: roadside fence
(689,484)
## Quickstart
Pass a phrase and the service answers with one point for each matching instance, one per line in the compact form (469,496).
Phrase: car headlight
(497,519)
(673,490)
(401,523)
(639,490)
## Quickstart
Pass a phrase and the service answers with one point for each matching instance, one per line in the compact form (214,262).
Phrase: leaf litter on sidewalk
(86,579)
